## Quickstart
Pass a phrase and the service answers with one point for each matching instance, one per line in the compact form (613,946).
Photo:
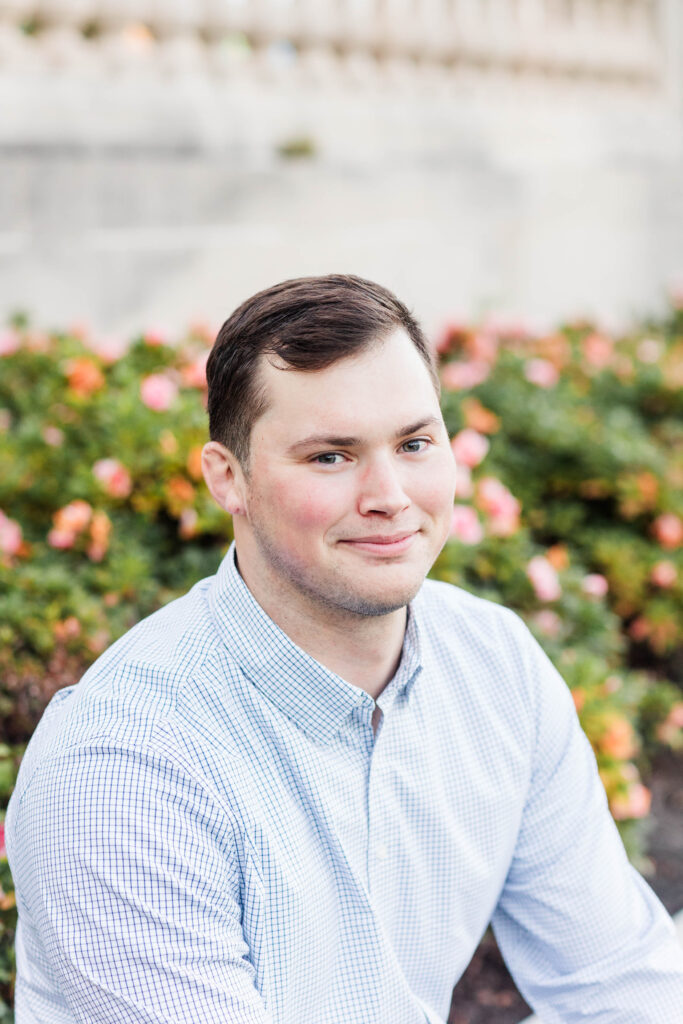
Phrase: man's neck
(364,650)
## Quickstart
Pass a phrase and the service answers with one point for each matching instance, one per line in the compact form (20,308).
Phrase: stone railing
(615,42)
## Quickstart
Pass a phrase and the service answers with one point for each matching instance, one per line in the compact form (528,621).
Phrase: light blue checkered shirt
(206,829)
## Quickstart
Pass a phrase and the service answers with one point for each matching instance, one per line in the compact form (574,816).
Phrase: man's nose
(382,489)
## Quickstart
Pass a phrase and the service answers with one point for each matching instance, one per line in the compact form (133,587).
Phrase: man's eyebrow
(330,441)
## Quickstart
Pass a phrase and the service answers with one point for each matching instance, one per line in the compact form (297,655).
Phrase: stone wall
(160,161)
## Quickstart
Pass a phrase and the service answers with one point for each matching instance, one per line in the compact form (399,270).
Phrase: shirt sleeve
(134,895)
(584,936)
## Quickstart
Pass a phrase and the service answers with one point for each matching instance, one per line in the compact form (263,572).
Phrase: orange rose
(194,462)
(619,740)
(84,376)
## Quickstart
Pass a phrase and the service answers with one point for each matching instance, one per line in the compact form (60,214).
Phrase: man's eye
(416,444)
(328,458)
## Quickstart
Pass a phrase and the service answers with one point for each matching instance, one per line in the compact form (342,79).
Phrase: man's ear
(224,477)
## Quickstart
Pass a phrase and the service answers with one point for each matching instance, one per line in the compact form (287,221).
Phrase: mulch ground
(486,994)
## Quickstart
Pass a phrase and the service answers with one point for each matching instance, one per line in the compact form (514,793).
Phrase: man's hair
(309,323)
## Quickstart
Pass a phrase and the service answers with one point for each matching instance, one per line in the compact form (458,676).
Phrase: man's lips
(382,543)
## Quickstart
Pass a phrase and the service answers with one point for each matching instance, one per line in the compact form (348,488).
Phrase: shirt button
(381,851)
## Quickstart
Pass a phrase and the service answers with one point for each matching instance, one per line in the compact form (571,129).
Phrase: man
(300,793)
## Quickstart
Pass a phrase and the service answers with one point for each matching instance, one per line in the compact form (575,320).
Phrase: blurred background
(163,159)
(513,169)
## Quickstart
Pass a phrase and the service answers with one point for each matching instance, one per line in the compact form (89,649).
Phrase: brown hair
(309,323)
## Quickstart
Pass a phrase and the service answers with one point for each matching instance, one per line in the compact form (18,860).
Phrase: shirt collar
(315,698)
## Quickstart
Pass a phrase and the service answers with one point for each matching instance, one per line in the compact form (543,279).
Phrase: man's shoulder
(135,687)
(442,602)
(476,640)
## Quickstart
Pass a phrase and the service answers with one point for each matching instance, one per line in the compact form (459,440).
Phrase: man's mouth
(383,543)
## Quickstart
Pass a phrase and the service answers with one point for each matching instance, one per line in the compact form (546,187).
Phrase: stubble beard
(335,595)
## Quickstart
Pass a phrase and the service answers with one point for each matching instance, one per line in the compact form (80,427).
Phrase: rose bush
(569,508)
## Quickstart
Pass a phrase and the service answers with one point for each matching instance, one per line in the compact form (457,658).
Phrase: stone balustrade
(609,41)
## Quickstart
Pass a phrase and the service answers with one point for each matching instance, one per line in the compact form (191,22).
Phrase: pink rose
(10,535)
(463,481)
(187,527)
(675,716)
(544,579)
(597,350)
(668,530)
(469,447)
(3,851)
(450,330)
(194,374)
(548,622)
(9,342)
(634,804)
(61,539)
(53,436)
(158,392)
(594,585)
(110,348)
(541,373)
(484,346)
(649,350)
(114,477)
(499,505)
(465,525)
(155,336)
(463,375)
(664,574)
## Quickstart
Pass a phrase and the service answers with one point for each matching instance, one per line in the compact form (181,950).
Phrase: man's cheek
(309,507)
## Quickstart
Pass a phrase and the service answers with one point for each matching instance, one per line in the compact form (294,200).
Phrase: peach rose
(194,462)
(180,490)
(619,740)
(100,532)
(668,530)
(84,376)
(478,416)
(664,574)
(73,517)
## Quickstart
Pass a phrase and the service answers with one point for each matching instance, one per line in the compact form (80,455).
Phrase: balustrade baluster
(599,40)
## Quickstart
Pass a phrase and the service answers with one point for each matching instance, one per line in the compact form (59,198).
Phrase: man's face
(351,480)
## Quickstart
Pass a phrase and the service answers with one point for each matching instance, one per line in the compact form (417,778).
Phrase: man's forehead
(385,387)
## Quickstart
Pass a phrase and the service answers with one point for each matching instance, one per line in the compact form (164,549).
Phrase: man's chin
(377,602)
